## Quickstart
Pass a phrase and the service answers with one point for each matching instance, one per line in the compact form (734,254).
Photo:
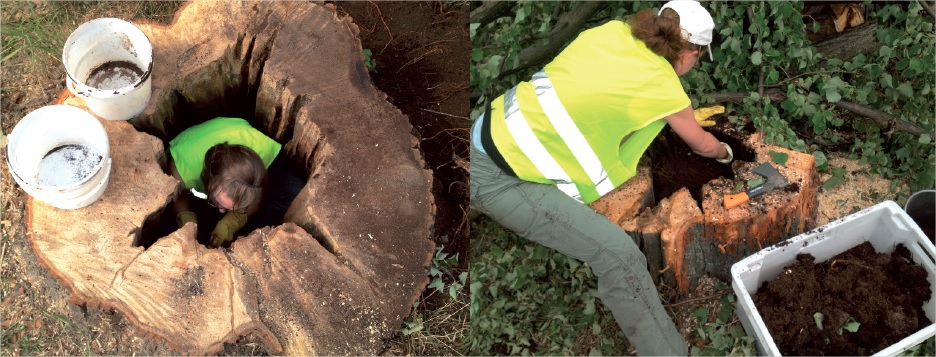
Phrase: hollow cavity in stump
(163,222)
(343,271)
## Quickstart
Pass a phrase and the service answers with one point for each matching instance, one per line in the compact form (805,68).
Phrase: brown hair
(237,170)
(662,33)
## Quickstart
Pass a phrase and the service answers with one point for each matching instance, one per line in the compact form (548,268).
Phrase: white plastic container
(108,62)
(884,225)
(60,155)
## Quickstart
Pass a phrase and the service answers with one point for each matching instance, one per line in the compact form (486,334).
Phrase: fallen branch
(568,26)
(888,121)
(929,6)
(490,11)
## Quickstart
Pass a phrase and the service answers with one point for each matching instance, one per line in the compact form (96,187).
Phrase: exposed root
(385,26)
(446,114)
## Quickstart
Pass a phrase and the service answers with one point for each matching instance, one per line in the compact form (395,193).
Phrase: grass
(36,317)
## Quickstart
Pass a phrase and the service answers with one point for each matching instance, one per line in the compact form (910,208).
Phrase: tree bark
(490,11)
(887,121)
(851,42)
(566,29)
(343,270)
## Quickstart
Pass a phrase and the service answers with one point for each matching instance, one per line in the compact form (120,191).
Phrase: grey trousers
(545,215)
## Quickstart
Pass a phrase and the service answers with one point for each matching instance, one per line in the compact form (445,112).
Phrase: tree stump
(684,239)
(343,270)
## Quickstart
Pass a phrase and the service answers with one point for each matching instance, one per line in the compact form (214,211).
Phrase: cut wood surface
(684,239)
(340,274)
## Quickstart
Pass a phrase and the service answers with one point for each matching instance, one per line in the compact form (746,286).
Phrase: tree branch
(490,11)
(568,26)
(929,6)
(889,122)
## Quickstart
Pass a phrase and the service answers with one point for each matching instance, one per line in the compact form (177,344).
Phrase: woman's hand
(700,141)
(223,233)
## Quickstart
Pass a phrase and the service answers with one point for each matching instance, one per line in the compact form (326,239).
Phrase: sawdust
(862,190)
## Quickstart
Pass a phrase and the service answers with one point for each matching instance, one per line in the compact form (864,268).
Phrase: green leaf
(925,139)
(905,89)
(818,317)
(822,163)
(779,158)
(834,181)
(589,307)
(476,55)
(833,96)
(701,314)
(755,182)
(850,325)
(756,58)
(436,284)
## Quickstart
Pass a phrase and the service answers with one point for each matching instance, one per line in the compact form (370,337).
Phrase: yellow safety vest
(583,122)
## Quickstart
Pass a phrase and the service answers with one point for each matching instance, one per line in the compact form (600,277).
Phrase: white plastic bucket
(60,155)
(108,62)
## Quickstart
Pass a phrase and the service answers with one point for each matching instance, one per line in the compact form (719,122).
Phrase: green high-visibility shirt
(584,121)
(189,147)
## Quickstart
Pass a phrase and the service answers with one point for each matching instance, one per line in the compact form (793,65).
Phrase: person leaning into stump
(233,167)
(548,147)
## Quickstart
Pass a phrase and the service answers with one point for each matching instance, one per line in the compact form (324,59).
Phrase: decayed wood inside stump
(343,270)
(685,238)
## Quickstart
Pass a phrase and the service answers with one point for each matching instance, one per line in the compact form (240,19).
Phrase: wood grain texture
(340,275)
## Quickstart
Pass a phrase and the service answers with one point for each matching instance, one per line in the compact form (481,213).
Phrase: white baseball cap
(695,21)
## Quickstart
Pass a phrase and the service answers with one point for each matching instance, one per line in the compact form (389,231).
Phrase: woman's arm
(700,141)
(181,204)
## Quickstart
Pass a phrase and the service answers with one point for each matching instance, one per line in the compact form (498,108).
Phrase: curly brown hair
(662,33)
(236,169)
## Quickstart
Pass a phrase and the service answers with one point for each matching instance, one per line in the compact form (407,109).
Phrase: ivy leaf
(822,163)
(755,182)
(925,139)
(437,284)
(476,55)
(833,96)
(837,179)
(850,325)
(779,157)
(756,58)
(905,89)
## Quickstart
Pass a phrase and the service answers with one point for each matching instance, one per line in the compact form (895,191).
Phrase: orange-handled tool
(774,180)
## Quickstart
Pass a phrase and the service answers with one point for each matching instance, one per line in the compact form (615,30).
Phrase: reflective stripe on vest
(567,130)
(533,148)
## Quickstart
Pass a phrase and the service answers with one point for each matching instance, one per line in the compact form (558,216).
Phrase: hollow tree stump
(684,239)
(343,270)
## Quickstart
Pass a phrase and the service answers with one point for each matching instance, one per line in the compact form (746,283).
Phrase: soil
(420,49)
(675,166)
(882,292)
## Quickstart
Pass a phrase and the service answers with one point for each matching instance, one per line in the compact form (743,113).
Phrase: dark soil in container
(884,293)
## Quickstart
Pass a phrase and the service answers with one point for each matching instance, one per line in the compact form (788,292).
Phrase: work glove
(702,115)
(185,217)
(223,233)
(730,157)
